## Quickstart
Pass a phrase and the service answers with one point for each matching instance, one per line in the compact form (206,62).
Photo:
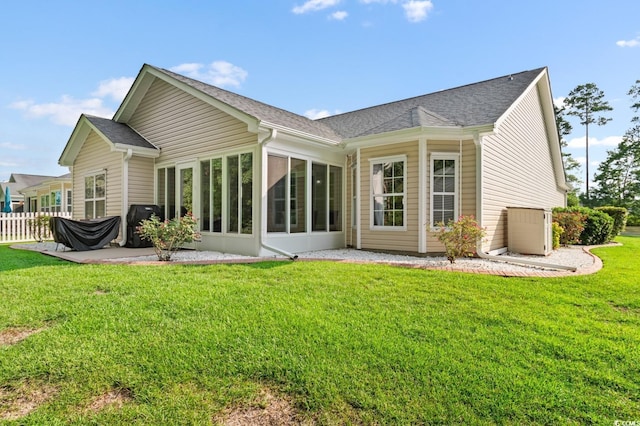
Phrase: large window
(240,190)
(95,196)
(388,192)
(444,188)
(211,202)
(166,190)
(286,194)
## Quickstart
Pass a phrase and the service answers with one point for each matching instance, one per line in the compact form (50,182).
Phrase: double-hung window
(95,195)
(388,192)
(444,188)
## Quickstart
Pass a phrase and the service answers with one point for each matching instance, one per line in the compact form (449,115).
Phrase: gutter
(263,143)
(125,195)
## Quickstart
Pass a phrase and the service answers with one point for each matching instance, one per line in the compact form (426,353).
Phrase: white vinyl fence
(15,227)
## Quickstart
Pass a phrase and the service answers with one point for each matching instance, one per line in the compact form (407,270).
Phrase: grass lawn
(324,343)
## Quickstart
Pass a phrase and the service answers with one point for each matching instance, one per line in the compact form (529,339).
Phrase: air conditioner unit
(530,230)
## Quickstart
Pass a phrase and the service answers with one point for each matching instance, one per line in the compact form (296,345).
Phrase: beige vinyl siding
(185,127)
(517,169)
(466,182)
(384,239)
(94,156)
(141,177)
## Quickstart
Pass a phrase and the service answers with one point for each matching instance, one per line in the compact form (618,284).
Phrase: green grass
(346,343)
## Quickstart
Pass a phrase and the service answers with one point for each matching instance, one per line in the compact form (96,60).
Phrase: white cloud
(12,146)
(316,114)
(559,102)
(339,15)
(314,6)
(67,111)
(378,1)
(218,73)
(7,164)
(115,88)
(417,10)
(608,141)
(629,43)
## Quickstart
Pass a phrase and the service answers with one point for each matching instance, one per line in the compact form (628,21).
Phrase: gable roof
(475,104)
(119,136)
(119,133)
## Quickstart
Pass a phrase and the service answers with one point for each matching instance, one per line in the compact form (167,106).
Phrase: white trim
(444,156)
(381,160)
(359,203)
(422,195)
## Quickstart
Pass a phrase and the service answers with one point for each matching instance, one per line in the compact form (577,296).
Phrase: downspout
(272,135)
(479,205)
(125,195)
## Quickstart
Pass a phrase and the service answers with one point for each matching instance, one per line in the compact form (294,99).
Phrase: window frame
(373,194)
(444,156)
(95,199)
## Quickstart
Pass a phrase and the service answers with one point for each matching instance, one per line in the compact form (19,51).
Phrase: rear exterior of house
(263,181)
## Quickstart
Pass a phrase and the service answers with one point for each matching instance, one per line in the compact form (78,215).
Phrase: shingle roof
(471,105)
(257,109)
(118,132)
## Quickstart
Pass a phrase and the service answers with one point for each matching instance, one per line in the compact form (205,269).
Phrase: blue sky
(316,57)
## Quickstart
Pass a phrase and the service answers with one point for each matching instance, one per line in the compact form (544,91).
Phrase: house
(27,190)
(262,180)
(51,194)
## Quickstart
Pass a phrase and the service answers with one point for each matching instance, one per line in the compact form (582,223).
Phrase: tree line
(617,179)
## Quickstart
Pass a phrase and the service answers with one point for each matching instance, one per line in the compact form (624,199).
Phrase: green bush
(619,215)
(169,236)
(597,226)
(633,220)
(557,234)
(460,238)
(572,224)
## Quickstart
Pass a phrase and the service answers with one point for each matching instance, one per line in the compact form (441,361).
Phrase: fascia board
(76,140)
(413,134)
(299,136)
(146,77)
(137,150)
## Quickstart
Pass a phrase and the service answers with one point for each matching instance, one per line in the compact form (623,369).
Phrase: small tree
(460,238)
(169,236)
(39,227)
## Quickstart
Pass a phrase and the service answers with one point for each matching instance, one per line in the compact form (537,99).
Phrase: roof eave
(414,133)
(136,150)
(300,135)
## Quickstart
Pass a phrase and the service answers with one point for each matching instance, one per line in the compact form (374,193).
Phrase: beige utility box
(530,230)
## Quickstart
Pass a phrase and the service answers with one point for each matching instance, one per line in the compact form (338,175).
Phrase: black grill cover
(84,235)
(137,213)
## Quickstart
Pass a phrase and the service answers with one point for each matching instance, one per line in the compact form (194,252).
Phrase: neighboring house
(53,194)
(262,180)
(19,182)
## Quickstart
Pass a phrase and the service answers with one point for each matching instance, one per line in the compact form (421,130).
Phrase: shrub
(169,236)
(597,225)
(633,220)
(572,224)
(619,215)
(39,227)
(557,234)
(460,238)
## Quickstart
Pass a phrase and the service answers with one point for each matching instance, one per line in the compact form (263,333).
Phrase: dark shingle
(118,132)
(471,105)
